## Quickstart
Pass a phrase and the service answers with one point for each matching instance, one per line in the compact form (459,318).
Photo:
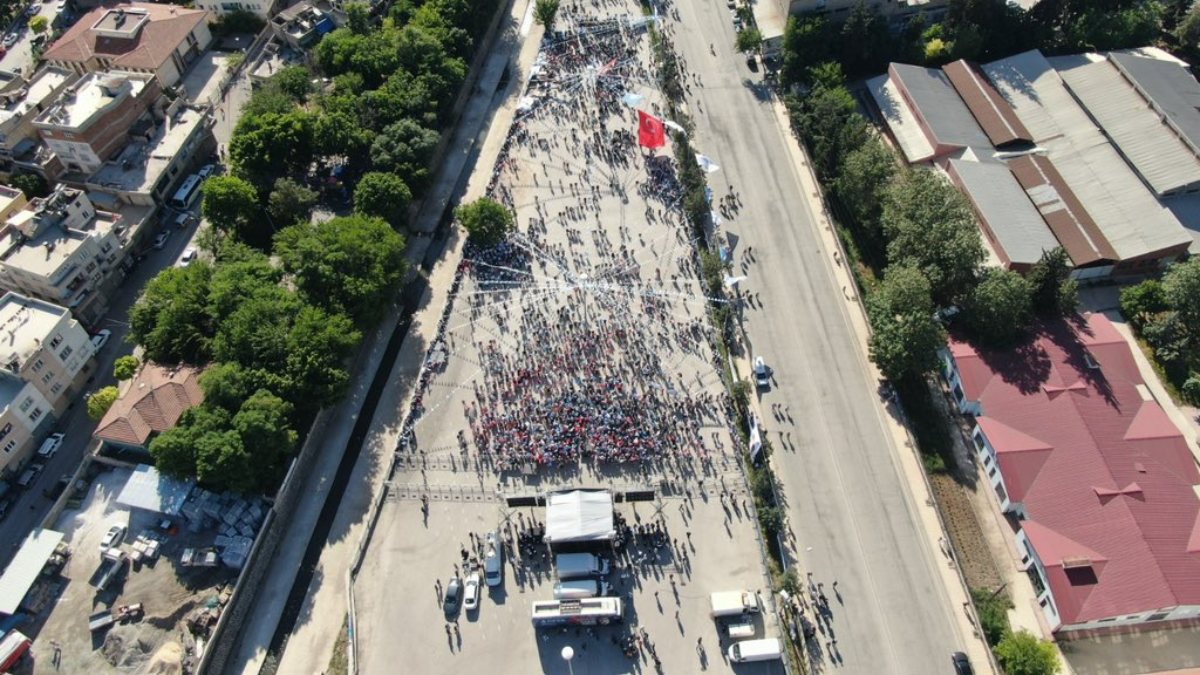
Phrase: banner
(651,133)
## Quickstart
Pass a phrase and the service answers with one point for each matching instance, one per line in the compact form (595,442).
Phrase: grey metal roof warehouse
(1160,156)
(149,490)
(1169,87)
(943,110)
(1006,210)
(25,567)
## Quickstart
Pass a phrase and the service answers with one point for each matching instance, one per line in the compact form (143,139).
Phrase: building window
(958,393)
(1001,493)
(33,416)
(56,388)
(1157,617)
(37,365)
(8,447)
(5,431)
(56,341)
(26,403)
(992,472)
(47,377)
(65,352)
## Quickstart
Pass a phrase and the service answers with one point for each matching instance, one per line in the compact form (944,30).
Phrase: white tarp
(579,515)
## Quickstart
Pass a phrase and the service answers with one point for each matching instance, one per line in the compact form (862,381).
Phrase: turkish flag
(651,133)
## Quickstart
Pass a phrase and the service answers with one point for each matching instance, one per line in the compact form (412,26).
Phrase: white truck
(769,649)
(576,589)
(733,603)
(579,565)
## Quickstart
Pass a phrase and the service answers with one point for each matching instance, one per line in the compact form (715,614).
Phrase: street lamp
(568,653)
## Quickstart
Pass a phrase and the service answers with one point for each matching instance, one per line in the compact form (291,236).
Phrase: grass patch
(339,663)
(1167,378)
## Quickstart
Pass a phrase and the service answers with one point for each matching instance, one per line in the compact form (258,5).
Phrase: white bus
(187,193)
(583,612)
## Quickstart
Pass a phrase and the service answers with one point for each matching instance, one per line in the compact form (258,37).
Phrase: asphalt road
(20,55)
(848,505)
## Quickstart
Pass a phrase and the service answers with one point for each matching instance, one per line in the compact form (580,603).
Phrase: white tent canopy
(25,568)
(579,516)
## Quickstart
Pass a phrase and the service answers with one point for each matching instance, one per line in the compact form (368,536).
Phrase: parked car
(50,446)
(206,171)
(189,255)
(11,39)
(61,6)
(114,537)
(962,665)
(161,240)
(30,475)
(471,592)
(453,597)
(100,339)
(32,10)
(5,507)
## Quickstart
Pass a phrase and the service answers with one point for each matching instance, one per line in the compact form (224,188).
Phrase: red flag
(651,133)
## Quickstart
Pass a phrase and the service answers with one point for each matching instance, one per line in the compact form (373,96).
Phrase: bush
(1191,389)
(99,402)
(771,518)
(125,367)
(993,613)
(1138,303)
(1023,654)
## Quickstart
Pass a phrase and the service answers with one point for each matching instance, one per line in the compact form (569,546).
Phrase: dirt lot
(168,592)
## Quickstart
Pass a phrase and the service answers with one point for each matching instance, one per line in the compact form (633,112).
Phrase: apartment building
(60,249)
(11,201)
(141,37)
(21,147)
(46,361)
(260,8)
(92,119)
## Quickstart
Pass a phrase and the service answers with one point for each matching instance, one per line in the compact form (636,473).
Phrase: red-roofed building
(1102,484)
(149,404)
(139,37)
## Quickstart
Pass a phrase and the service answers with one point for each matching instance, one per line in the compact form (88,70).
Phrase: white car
(207,170)
(100,339)
(762,376)
(50,446)
(10,40)
(114,537)
(161,240)
(189,255)
(471,592)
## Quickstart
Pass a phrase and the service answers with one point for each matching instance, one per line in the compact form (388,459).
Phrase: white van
(577,589)
(493,563)
(579,565)
(733,603)
(740,628)
(769,649)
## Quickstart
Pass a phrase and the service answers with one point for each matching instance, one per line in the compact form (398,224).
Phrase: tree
(230,203)
(993,613)
(806,40)
(1181,285)
(1191,389)
(748,40)
(223,461)
(358,15)
(486,221)
(999,307)
(859,186)
(31,184)
(1187,33)
(174,451)
(865,42)
(931,227)
(295,82)
(228,385)
(544,12)
(936,52)
(317,345)
(99,402)
(236,280)
(290,202)
(170,319)
(39,24)
(125,367)
(905,336)
(262,424)
(1021,653)
(255,332)
(405,148)
(337,134)
(1141,302)
(384,195)
(828,122)
(351,264)
(1055,293)
(268,146)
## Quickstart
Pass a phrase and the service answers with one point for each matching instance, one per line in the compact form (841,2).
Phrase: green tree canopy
(31,184)
(405,148)
(290,202)
(931,227)
(272,145)
(828,121)
(1141,302)
(999,307)
(262,423)
(1181,285)
(230,204)
(351,264)
(125,367)
(806,40)
(170,319)
(383,195)
(338,134)
(544,12)
(358,16)
(864,173)
(294,81)
(39,24)
(487,221)
(1055,293)
(749,40)
(1021,653)
(905,336)
(234,281)
(99,402)
(228,385)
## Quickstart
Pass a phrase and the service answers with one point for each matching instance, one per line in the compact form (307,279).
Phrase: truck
(12,648)
(579,565)
(493,564)
(575,589)
(732,603)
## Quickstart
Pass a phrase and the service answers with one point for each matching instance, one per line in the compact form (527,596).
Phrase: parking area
(201,83)
(666,589)
(171,595)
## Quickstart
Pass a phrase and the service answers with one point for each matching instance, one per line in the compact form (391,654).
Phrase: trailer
(732,603)
(12,648)
(101,621)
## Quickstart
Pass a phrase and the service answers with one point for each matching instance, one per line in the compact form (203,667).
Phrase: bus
(581,612)
(187,193)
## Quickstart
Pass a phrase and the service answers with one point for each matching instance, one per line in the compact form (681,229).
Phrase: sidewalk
(907,455)
(310,646)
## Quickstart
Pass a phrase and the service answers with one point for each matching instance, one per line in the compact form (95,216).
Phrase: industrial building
(1096,153)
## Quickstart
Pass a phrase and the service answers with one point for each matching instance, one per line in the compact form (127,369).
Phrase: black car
(962,665)
(453,597)
(5,505)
